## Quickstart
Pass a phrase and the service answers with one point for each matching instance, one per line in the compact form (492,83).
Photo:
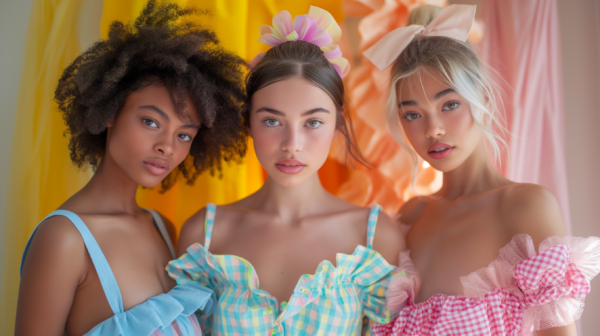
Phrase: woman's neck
(292,203)
(110,190)
(475,175)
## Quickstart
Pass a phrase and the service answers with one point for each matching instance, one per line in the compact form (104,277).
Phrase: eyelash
(266,122)
(147,121)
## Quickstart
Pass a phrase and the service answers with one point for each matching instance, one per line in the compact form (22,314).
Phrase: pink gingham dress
(519,292)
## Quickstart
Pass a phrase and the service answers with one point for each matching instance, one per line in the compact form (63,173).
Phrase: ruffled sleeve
(403,285)
(193,267)
(552,284)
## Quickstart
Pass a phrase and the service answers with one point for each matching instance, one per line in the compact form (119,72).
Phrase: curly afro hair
(158,48)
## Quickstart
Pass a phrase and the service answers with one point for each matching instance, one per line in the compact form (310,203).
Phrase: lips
(290,166)
(440,150)
(157,166)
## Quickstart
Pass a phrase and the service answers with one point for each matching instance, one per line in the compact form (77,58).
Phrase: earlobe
(249,131)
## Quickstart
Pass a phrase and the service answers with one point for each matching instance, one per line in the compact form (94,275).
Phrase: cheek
(266,141)
(460,123)
(414,133)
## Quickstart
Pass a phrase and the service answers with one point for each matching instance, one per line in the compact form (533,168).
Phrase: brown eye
(313,123)
(450,106)
(150,123)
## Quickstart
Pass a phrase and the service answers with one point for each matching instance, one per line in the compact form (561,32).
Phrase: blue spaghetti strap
(373,214)
(160,224)
(107,278)
(209,221)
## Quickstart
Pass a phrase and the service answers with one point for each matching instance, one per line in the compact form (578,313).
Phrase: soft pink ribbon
(455,22)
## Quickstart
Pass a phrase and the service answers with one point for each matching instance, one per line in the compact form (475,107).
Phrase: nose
(292,142)
(164,146)
(435,128)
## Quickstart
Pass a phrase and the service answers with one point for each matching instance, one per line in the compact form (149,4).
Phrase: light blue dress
(169,314)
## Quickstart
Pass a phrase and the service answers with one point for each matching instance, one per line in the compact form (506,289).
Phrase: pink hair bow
(455,22)
(317,27)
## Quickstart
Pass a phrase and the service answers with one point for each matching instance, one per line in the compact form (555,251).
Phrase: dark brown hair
(162,48)
(305,60)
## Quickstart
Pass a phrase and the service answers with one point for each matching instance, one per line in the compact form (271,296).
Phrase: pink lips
(439,150)
(157,166)
(290,166)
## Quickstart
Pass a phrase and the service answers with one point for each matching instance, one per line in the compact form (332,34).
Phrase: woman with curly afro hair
(156,99)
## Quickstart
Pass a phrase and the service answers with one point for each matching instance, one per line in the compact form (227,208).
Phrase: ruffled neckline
(540,290)
(363,267)
(158,312)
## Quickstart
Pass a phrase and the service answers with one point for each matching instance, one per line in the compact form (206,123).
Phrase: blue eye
(410,116)
(150,123)
(450,106)
(314,123)
(185,137)
(271,122)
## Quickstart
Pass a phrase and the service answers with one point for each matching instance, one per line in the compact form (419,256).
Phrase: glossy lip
(290,166)
(157,166)
(442,154)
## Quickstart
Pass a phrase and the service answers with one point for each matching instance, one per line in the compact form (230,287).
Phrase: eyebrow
(276,112)
(443,93)
(437,96)
(166,116)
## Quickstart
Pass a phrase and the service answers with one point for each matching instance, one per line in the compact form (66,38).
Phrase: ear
(249,131)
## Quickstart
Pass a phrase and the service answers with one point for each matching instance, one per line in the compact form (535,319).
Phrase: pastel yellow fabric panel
(41,173)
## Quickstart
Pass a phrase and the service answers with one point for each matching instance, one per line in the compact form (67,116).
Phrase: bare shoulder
(56,242)
(531,209)
(388,240)
(192,231)
(412,210)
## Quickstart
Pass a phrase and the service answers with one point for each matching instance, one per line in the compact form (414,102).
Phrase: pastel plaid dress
(168,314)
(332,301)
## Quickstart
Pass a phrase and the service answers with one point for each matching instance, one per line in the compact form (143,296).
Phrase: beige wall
(580,35)
(580,29)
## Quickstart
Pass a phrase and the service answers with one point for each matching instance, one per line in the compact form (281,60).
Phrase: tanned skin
(460,229)
(292,223)
(60,288)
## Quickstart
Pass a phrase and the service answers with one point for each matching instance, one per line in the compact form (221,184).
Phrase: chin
(288,180)
(150,181)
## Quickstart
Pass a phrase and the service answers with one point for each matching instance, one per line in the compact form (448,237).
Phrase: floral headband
(455,22)
(317,27)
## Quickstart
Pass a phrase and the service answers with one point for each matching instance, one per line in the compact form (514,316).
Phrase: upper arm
(533,210)
(388,239)
(192,231)
(55,265)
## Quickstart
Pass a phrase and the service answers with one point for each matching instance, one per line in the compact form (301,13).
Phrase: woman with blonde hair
(491,254)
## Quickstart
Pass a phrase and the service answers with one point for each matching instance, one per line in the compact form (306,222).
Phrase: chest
(453,240)
(136,258)
(282,255)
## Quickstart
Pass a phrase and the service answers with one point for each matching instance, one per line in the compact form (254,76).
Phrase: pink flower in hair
(317,27)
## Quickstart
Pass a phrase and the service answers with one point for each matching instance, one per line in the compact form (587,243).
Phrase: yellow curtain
(41,174)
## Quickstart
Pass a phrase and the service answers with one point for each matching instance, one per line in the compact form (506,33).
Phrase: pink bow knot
(454,22)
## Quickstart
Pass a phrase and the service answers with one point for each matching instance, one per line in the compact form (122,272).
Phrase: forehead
(422,85)
(159,96)
(291,95)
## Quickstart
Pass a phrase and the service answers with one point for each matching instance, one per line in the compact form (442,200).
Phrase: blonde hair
(459,65)
(423,15)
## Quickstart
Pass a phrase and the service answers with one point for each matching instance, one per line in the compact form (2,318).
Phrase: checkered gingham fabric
(543,278)
(332,301)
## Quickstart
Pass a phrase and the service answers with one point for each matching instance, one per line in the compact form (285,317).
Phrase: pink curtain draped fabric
(522,43)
